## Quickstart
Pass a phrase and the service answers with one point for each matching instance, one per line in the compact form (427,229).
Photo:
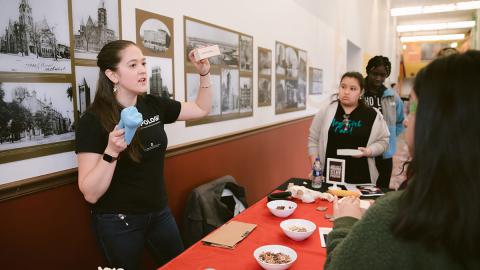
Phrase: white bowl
(275,208)
(275,249)
(288,224)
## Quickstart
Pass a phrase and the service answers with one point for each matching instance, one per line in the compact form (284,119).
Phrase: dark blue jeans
(122,237)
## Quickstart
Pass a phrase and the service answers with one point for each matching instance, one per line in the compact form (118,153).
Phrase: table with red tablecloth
(268,232)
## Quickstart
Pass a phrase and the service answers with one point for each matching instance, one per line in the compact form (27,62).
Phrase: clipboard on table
(229,235)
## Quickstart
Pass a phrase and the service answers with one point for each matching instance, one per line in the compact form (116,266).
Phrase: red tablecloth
(268,232)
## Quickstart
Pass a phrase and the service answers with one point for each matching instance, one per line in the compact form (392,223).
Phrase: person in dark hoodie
(389,103)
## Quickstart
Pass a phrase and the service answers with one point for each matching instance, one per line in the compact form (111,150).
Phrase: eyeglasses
(346,121)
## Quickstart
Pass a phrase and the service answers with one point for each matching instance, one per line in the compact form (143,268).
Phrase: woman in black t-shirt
(345,122)
(124,183)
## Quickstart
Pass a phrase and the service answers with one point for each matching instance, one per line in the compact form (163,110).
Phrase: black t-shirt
(356,134)
(135,187)
(374,100)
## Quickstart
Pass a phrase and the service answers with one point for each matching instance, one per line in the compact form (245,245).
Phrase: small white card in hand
(348,152)
(323,235)
(206,52)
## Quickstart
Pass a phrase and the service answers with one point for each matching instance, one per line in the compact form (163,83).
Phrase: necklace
(346,121)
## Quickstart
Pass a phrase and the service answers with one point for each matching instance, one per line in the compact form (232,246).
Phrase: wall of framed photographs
(291,78)
(64,74)
(48,78)
(224,20)
(231,72)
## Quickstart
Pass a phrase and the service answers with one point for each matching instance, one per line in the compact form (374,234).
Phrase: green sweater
(369,243)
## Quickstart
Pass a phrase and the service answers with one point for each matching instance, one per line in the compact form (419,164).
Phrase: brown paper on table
(229,235)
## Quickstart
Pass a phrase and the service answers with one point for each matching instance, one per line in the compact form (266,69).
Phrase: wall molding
(53,180)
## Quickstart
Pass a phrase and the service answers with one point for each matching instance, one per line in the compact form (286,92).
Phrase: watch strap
(109,158)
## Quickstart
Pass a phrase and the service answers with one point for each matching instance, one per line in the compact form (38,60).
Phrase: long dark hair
(440,207)
(359,77)
(105,106)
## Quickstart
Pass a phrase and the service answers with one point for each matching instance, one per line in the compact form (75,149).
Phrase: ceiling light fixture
(432,38)
(435,26)
(405,11)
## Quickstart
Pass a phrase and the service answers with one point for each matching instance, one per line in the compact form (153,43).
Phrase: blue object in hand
(130,120)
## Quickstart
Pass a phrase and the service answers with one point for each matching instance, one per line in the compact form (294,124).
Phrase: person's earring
(115,88)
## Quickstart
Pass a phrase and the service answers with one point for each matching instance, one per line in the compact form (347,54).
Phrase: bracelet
(205,86)
(203,75)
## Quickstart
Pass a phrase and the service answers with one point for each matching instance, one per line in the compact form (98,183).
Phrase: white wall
(354,57)
(366,23)
(321,28)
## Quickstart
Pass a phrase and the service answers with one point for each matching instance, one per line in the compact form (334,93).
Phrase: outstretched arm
(202,105)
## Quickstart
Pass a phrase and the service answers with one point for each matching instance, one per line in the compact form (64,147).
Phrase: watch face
(108,158)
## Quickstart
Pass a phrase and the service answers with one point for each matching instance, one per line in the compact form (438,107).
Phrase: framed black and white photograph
(230,94)
(246,94)
(280,60)
(302,65)
(193,84)
(86,84)
(292,62)
(290,86)
(301,93)
(231,72)
(264,62)
(202,35)
(315,81)
(280,95)
(160,77)
(264,92)
(154,34)
(264,77)
(95,23)
(33,39)
(33,115)
(246,53)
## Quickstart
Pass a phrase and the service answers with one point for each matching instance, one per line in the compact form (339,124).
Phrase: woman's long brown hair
(105,106)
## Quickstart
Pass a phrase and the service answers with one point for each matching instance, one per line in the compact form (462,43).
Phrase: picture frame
(231,72)
(85,86)
(160,77)
(335,171)
(31,138)
(94,24)
(39,119)
(35,40)
(246,53)
(291,75)
(155,34)
(264,77)
(315,78)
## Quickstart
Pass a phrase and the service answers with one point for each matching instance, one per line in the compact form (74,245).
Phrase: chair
(211,205)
